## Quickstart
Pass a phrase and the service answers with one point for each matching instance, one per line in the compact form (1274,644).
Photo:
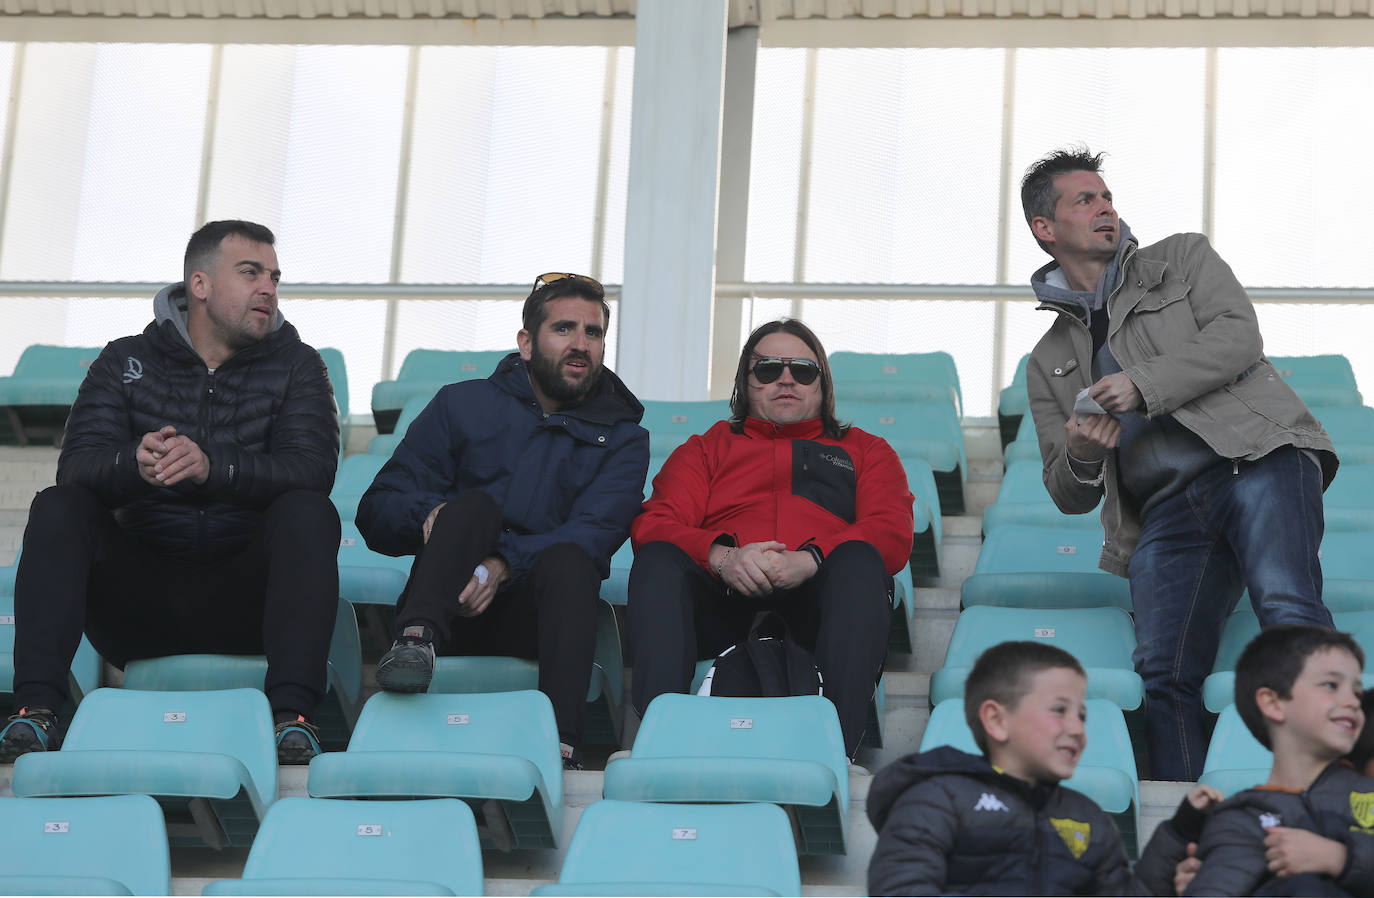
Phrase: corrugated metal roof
(742,12)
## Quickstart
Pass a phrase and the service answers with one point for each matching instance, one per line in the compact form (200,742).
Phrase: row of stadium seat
(116,845)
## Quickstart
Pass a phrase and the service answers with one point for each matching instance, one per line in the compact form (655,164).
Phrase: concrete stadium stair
(25,471)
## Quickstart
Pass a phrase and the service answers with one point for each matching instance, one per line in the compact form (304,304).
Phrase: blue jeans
(1257,525)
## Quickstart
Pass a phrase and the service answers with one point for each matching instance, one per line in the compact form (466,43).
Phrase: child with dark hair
(949,822)
(1309,830)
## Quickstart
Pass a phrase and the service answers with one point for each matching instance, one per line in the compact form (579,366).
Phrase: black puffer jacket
(949,824)
(1339,805)
(266,418)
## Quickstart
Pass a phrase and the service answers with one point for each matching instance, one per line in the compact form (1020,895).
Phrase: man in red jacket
(781,507)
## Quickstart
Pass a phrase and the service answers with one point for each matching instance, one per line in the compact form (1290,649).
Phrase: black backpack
(768,663)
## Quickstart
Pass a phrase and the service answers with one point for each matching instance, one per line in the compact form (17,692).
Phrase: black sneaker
(572,758)
(297,741)
(32,729)
(409,666)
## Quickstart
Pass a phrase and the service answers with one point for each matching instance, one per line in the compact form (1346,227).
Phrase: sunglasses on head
(768,369)
(554,277)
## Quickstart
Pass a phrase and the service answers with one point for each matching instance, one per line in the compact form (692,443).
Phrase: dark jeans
(679,614)
(1259,527)
(548,615)
(81,571)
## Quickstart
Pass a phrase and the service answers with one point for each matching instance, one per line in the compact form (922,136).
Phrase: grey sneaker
(409,666)
(32,729)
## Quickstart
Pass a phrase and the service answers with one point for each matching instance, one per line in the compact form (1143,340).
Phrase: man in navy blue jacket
(513,493)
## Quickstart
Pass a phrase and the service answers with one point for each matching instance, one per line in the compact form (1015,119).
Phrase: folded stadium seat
(384,444)
(927,430)
(209,758)
(641,848)
(356,473)
(495,750)
(877,705)
(1106,771)
(1013,403)
(670,424)
(422,373)
(903,377)
(1320,380)
(1235,759)
(1102,639)
(1218,690)
(927,526)
(367,577)
(1043,567)
(338,378)
(111,845)
(1347,577)
(1351,428)
(1023,499)
(705,748)
(85,670)
(499,673)
(311,846)
(1025,446)
(335,715)
(1348,503)
(40,393)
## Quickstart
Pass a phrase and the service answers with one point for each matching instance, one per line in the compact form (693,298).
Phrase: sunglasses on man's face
(554,277)
(804,371)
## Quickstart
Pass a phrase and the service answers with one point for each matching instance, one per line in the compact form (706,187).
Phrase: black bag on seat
(768,663)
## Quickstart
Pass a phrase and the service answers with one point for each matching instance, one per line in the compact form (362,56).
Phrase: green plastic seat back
(118,838)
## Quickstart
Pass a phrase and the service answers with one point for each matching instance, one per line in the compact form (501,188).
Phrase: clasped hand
(758,569)
(1090,437)
(164,458)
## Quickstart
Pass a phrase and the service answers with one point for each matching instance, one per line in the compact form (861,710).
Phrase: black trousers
(679,614)
(81,571)
(548,615)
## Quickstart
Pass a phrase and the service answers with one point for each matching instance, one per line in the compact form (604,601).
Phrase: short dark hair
(533,314)
(1274,659)
(1363,751)
(202,251)
(739,398)
(1038,196)
(1003,673)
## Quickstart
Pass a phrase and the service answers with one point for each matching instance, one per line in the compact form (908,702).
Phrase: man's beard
(554,385)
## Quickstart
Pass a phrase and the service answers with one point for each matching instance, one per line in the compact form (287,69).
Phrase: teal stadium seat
(1351,428)
(39,394)
(338,378)
(497,747)
(1106,772)
(497,673)
(1321,380)
(788,751)
(641,848)
(209,758)
(112,845)
(1348,503)
(902,377)
(384,444)
(1102,639)
(356,473)
(926,540)
(367,577)
(1219,689)
(335,715)
(1347,572)
(1235,759)
(85,669)
(1043,567)
(1023,499)
(670,424)
(422,373)
(311,846)
(928,430)
(1013,403)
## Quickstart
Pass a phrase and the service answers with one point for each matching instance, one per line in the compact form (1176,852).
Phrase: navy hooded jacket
(574,476)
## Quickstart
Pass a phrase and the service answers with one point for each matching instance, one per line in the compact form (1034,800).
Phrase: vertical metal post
(398,226)
(207,147)
(808,132)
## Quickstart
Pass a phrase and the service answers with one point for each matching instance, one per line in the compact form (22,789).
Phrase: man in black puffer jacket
(191,511)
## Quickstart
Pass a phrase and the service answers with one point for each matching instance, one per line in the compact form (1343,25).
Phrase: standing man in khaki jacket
(1151,388)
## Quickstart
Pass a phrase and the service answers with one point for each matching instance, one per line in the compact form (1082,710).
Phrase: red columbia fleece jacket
(786,482)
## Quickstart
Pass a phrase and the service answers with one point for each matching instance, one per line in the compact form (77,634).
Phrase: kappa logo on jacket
(133,370)
(990,802)
(1268,820)
(1075,833)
